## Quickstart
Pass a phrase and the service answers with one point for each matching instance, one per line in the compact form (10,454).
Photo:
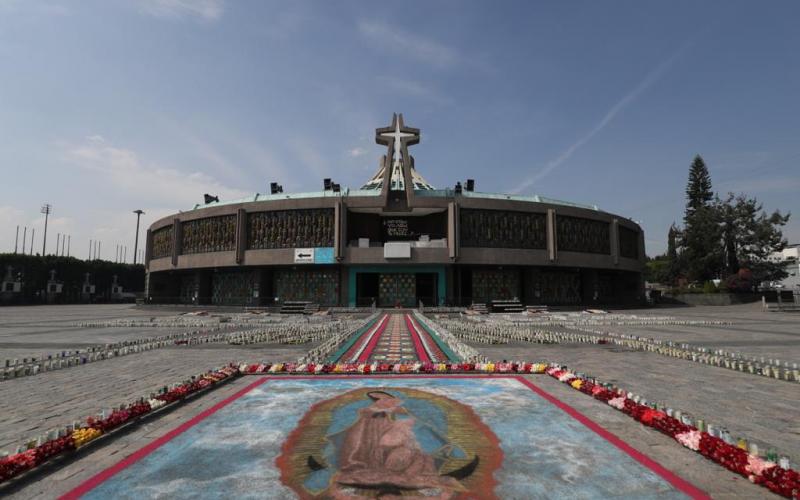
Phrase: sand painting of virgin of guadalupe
(390,443)
(399,438)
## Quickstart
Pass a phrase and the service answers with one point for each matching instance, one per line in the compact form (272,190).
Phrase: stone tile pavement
(30,406)
(751,406)
(755,407)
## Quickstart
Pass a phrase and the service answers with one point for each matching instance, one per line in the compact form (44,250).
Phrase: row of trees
(729,238)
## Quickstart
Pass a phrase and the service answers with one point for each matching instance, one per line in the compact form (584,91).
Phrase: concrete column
(177,233)
(614,235)
(337,230)
(453,233)
(552,244)
(148,249)
(642,254)
(241,234)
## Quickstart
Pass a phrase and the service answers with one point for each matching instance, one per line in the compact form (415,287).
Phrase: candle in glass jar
(701,425)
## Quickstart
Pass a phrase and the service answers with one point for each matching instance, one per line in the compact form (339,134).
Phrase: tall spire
(397,162)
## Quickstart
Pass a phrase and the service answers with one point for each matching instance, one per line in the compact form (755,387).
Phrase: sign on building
(323,255)
(303,255)
(397,250)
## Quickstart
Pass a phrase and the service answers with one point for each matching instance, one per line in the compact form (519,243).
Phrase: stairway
(294,307)
(480,308)
(507,306)
(536,309)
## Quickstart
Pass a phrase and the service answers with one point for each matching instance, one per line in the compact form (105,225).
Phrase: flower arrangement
(779,479)
(74,436)
(389,368)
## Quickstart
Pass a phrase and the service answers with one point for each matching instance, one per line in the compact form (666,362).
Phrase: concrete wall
(714,299)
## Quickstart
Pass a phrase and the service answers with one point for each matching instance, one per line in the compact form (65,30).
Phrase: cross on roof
(397,137)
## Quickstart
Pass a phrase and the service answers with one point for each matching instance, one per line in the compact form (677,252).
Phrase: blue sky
(108,106)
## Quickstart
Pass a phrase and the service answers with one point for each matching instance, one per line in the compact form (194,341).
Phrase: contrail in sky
(649,79)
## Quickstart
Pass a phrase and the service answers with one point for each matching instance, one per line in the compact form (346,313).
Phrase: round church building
(396,241)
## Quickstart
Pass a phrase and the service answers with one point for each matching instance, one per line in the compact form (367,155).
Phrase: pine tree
(701,236)
(698,189)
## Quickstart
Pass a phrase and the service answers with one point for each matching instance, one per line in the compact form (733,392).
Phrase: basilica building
(395,241)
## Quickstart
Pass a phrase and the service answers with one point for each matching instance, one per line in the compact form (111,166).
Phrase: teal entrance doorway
(396,286)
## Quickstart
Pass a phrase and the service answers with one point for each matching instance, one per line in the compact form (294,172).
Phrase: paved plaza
(762,409)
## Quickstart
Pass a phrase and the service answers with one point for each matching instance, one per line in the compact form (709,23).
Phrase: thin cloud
(410,45)
(762,185)
(652,77)
(207,10)
(356,152)
(414,89)
(146,181)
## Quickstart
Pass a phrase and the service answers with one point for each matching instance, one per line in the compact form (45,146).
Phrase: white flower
(618,403)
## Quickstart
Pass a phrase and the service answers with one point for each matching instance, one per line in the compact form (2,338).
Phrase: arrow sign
(303,255)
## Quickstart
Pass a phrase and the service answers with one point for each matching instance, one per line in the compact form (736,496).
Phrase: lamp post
(136,241)
(46,209)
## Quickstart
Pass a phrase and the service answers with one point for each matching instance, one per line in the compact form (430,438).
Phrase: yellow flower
(577,383)
(84,435)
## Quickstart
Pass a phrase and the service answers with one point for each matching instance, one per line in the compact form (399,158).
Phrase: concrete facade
(600,259)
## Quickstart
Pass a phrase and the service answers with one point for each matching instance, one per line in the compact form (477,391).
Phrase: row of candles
(184,321)
(769,367)
(497,334)
(587,319)
(714,430)
(299,333)
(16,367)
(295,332)
(461,349)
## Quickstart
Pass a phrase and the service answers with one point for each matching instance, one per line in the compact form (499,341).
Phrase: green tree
(701,253)
(698,189)
(657,269)
(673,260)
(750,236)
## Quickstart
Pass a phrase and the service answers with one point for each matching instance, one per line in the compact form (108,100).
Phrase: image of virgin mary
(388,452)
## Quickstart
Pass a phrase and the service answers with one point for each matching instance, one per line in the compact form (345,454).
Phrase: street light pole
(136,241)
(46,209)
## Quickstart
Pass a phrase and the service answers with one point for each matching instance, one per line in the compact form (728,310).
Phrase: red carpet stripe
(367,352)
(357,348)
(421,354)
(433,348)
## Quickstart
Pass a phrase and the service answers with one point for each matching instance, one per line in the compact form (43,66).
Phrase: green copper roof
(430,193)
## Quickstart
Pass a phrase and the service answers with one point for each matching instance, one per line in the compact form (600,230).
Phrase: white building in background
(791,256)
